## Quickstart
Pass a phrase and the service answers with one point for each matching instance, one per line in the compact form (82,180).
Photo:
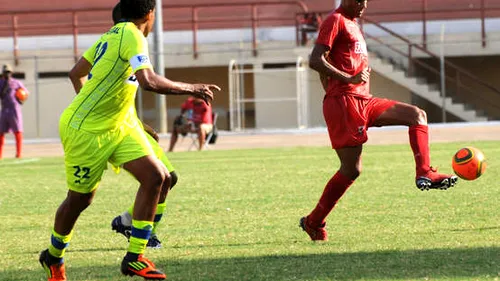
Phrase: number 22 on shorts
(81,173)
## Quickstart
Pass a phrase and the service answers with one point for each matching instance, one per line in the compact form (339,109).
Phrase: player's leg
(206,128)
(154,242)
(202,135)
(350,169)
(85,164)
(52,259)
(148,171)
(123,223)
(344,119)
(173,138)
(17,128)
(170,182)
(19,143)
(3,129)
(2,143)
(385,114)
(136,156)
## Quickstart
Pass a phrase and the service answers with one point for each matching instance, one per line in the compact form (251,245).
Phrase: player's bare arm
(151,81)
(319,63)
(79,73)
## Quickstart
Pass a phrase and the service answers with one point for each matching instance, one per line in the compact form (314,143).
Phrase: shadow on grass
(475,229)
(448,264)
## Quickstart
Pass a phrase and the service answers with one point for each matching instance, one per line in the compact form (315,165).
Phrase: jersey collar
(342,11)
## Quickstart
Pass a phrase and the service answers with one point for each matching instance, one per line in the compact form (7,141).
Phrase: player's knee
(173,179)
(157,177)
(351,172)
(78,201)
(420,116)
(355,173)
(167,182)
(165,188)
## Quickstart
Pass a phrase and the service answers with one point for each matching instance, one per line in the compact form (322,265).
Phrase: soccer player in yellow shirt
(123,223)
(100,125)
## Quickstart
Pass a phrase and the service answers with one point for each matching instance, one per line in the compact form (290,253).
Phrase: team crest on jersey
(361,130)
(360,48)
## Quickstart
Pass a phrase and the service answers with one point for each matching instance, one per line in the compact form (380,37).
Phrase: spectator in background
(309,26)
(11,118)
(196,117)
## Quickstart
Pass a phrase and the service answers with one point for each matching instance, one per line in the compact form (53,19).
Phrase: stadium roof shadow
(449,264)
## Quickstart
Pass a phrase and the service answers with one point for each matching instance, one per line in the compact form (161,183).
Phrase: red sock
(19,143)
(2,142)
(419,142)
(334,189)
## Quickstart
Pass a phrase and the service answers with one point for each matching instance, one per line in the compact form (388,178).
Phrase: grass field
(234,216)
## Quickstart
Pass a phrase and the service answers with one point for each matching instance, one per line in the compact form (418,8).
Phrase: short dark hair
(117,13)
(136,9)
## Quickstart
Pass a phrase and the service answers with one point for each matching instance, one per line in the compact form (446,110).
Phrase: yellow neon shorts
(160,153)
(86,155)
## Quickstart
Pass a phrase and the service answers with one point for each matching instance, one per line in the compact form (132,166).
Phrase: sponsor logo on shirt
(360,48)
(139,60)
(132,80)
(143,59)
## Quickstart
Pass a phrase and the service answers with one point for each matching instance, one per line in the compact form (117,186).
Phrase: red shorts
(348,118)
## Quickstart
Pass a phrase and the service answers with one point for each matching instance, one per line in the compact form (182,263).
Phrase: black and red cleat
(142,267)
(434,180)
(315,233)
(55,270)
(119,227)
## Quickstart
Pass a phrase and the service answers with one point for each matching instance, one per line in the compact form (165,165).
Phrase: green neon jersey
(106,100)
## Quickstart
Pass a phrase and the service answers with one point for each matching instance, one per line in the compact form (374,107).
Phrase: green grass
(234,216)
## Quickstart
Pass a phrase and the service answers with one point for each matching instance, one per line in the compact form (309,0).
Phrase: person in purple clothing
(11,118)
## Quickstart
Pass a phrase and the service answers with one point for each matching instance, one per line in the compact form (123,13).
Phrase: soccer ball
(469,163)
(21,95)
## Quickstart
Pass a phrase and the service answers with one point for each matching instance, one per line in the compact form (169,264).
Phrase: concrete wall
(316,94)
(275,83)
(385,88)
(54,94)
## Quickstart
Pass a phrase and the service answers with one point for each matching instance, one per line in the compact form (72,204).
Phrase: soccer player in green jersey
(101,125)
(123,223)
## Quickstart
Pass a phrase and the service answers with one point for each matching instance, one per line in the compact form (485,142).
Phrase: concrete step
(423,89)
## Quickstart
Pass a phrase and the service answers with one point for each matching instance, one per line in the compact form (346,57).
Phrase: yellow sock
(160,208)
(59,243)
(141,231)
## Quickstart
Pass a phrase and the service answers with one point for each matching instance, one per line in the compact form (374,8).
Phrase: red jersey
(200,111)
(348,52)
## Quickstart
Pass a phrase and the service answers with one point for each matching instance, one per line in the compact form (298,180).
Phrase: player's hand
(204,91)
(361,77)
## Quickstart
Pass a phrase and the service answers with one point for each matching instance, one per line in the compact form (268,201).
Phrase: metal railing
(460,81)
(424,15)
(195,21)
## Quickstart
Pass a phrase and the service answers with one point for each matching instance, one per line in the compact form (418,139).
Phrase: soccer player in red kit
(341,58)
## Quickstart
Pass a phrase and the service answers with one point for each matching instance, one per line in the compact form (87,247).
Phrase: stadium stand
(22,31)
